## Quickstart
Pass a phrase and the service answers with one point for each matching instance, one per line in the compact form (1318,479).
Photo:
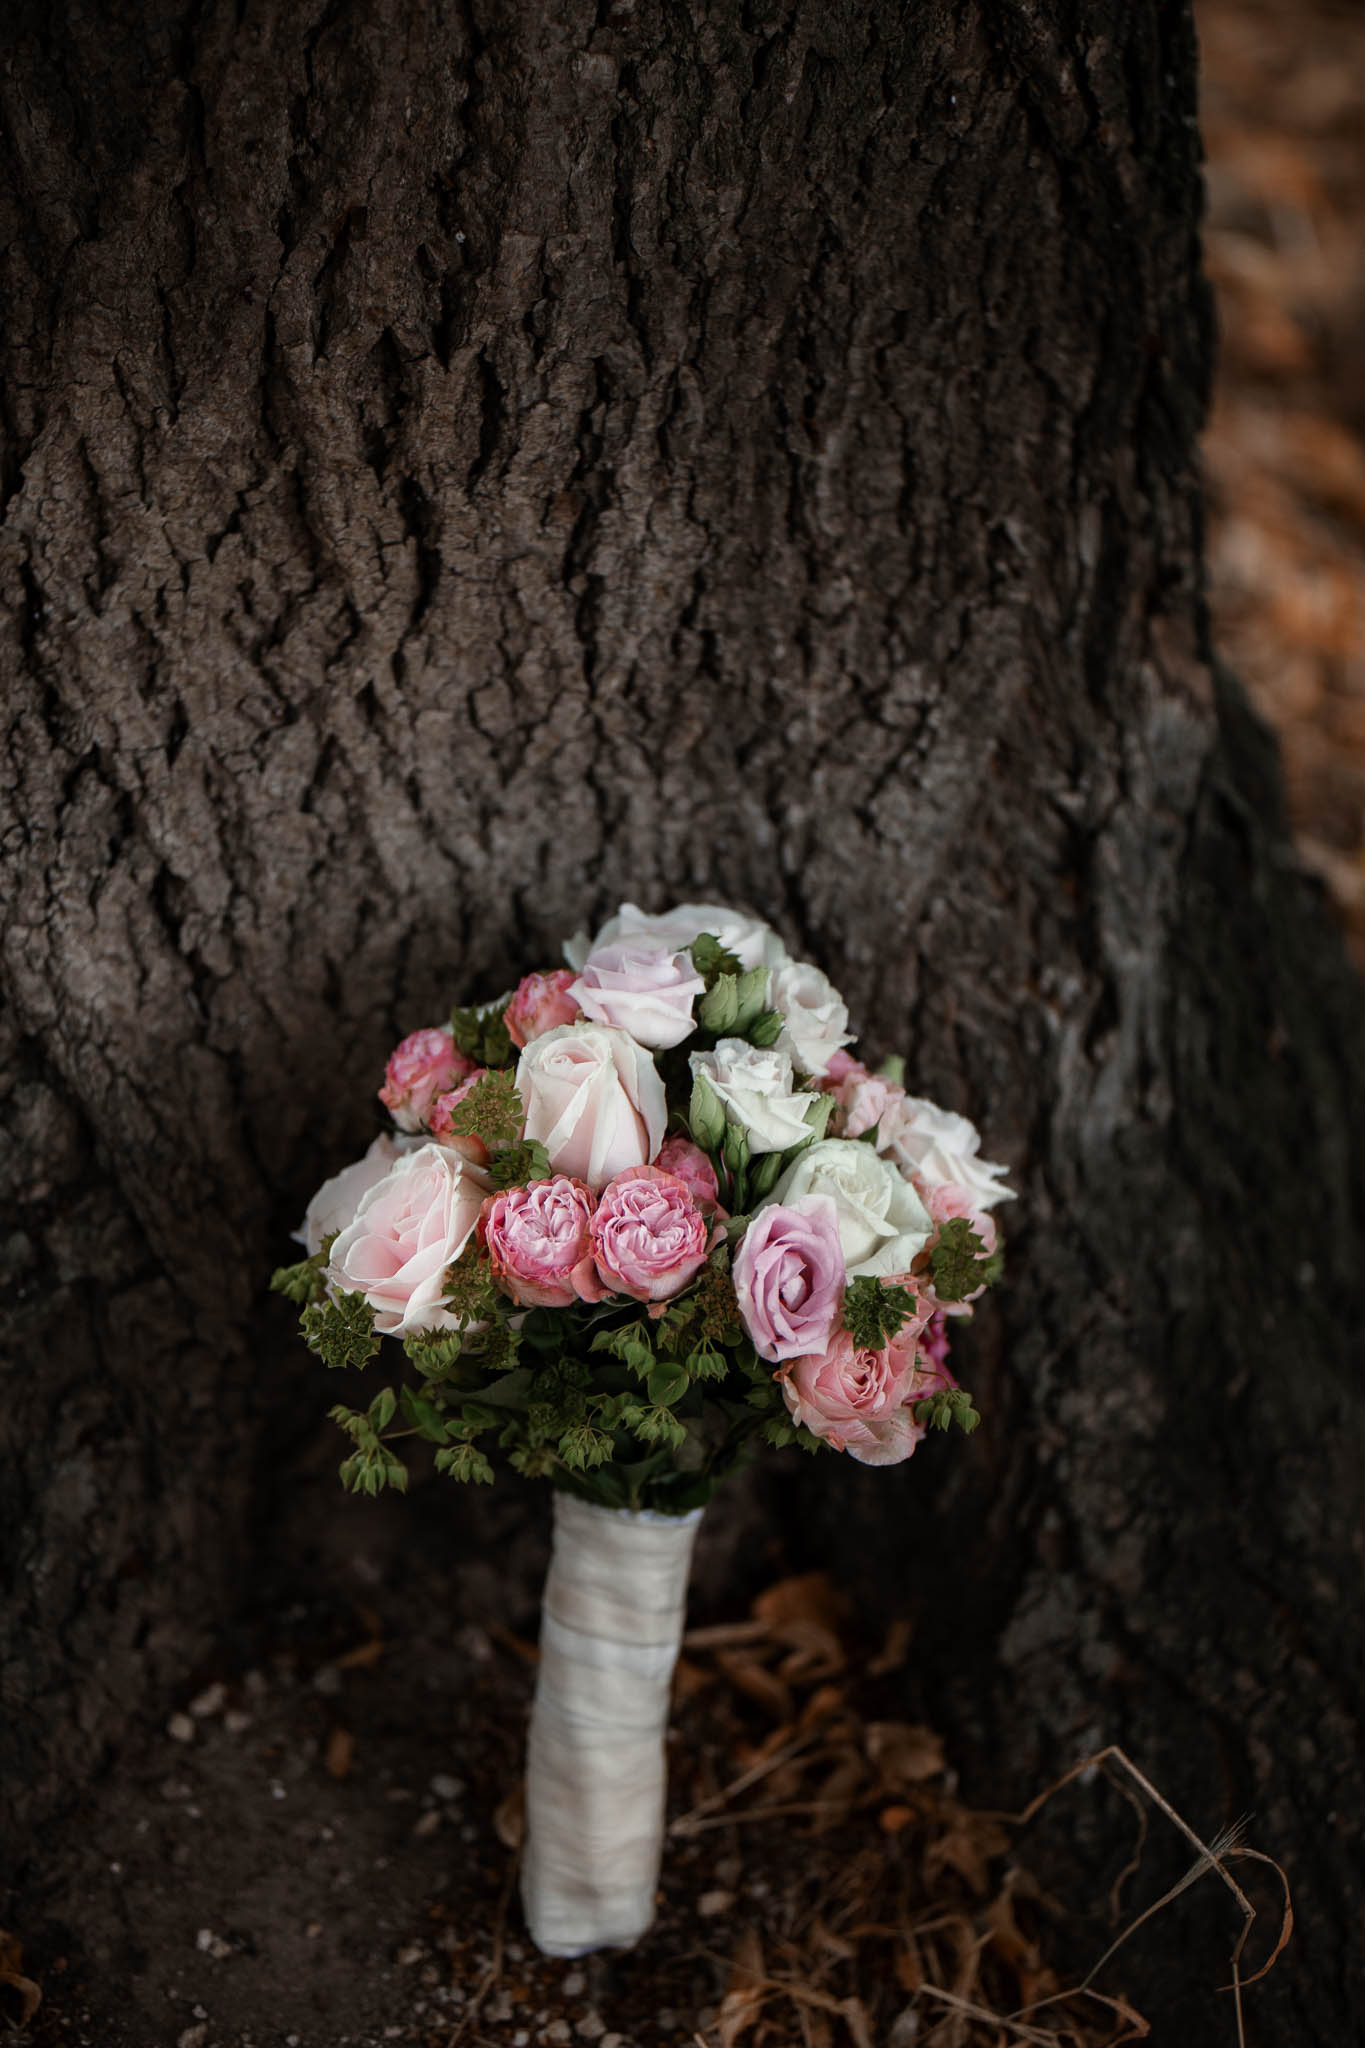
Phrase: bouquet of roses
(633,1220)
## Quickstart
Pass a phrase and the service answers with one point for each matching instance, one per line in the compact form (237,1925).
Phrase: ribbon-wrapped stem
(596,1779)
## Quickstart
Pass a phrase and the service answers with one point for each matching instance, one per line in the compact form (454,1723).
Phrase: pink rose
(841,1066)
(690,1163)
(541,1002)
(643,989)
(858,1400)
(438,1117)
(648,1235)
(594,1100)
(335,1202)
(789,1277)
(406,1231)
(945,1202)
(424,1066)
(539,1245)
(863,1099)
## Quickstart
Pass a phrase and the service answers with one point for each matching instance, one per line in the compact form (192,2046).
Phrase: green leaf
(424,1416)
(382,1410)
(706,1365)
(518,1165)
(341,1331)
(303,1283)
(533,1461)
(875,1310)
(584,1447)
(751,997)
(465,1463)
(779,1432)
(511,1390)
(766,1028)
(706,1115)
(942,1410)
(667,1384)
(711,959)
(958,1260)
(481,1034)
(658,1426)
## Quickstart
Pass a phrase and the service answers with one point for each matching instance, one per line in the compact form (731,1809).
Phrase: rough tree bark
(467,461)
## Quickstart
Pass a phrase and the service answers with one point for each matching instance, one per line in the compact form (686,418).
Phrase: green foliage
(782,1431)
(892,1069)
(941,1411)
(517,1165)
(533,1461)
(667,1384)
(706,1116)
(658,1426)
(424,1416)
(434,1352)
(734,1003)
(492,1110)
(583,1447)
(766,1028)
(341,1331)
(465,1463)
(372,1465)
(481,1034)
(470,1294)
(304,1283)
(711,959)
(874,1311)
(959,1261)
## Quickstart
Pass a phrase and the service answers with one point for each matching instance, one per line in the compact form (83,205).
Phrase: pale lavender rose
(424,1066)
(407,1229)
(858,1400)
(640,988)
(690,1163)
(539,1243)
(336,1201)
(788,1274)
(594,1100)
(541,1003)
(648,1235)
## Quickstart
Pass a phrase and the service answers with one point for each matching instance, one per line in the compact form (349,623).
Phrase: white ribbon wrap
(596,1778)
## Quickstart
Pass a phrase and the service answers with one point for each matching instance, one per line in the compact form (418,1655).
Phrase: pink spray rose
(424,1066)
(541,1002)
(648,1235)
(944,1203)
(789,1277)
(407,1229)
(640,988)
(857,1400)
(690,1163)
(539,1245)
(594,1099)
(438,1117)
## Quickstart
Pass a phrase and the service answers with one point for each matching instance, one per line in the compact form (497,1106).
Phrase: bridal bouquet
(633,1220)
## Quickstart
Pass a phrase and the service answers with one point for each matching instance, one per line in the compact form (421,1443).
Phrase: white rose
(641,989)
(335,1203)
(594,1099)
(940,1148)
(407,1229)
(753,943)
(883,1223)
(815,1015)
(755,1086)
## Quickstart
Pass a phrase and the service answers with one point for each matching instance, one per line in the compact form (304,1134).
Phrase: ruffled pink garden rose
(643,989)
(539,1243)
(407,1229)
(789,1277)
(541,1002)
(858,1400)
(648,1235)
(690,1163)
(424,1066)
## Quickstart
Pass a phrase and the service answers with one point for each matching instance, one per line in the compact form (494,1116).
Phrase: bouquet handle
(596,1779)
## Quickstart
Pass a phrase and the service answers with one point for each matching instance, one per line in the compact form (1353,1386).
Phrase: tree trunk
(468,463)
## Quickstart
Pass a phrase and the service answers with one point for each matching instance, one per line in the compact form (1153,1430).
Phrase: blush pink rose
(424,1066)
(643,989)
(690,1163)
(407,1229)
(438,1117)
(541,1002)
(842,1066)
(648,1235)
(945,1202)
(335,1202)
(539,1243)
(789,1277)
(857,1400)
(594,1099)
